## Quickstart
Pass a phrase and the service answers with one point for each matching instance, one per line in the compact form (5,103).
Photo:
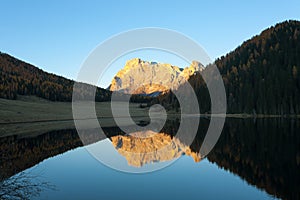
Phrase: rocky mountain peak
(143,77)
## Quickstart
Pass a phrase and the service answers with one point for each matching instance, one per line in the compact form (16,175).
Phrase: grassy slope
(31,115)
(31,109)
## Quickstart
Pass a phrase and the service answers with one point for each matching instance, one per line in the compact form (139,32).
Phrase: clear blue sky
(57,36)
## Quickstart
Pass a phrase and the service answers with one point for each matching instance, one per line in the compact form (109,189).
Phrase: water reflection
(146,147)
(19,153)
(265,152)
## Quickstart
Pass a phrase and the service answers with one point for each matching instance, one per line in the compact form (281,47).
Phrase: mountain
(20,78)
(151,78)
(262,76)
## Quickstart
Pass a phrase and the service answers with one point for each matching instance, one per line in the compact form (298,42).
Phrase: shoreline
(239,116)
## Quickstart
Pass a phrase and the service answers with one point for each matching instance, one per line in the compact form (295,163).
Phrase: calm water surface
(253,159)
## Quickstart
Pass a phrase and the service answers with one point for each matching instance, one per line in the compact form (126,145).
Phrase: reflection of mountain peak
(143,77)
(141,148)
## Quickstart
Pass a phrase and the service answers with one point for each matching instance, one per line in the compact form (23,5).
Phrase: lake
(253,159)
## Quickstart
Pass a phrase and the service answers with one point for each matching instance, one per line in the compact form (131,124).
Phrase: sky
(58,35)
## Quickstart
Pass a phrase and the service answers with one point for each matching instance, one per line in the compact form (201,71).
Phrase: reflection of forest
(264,152)
(18,154)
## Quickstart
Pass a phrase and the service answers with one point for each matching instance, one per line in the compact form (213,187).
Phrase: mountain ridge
(261,76)
(144,77)
(21,78)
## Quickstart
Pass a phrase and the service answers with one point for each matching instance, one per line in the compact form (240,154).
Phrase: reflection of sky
(78,175)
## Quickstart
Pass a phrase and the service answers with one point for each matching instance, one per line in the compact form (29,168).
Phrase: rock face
(142,77)
(147,147)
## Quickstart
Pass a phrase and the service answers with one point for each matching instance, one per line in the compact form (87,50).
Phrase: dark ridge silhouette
(262,76)
(21,78)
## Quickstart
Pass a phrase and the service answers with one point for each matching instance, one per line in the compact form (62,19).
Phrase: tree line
(262,76)
(20,78)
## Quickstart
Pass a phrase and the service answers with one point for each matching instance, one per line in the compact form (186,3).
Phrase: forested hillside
(262,76)
(20,78)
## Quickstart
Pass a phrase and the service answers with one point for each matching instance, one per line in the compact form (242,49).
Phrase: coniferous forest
(20,78)
(262,76)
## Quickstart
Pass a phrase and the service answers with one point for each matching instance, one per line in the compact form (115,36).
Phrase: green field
(31,115)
